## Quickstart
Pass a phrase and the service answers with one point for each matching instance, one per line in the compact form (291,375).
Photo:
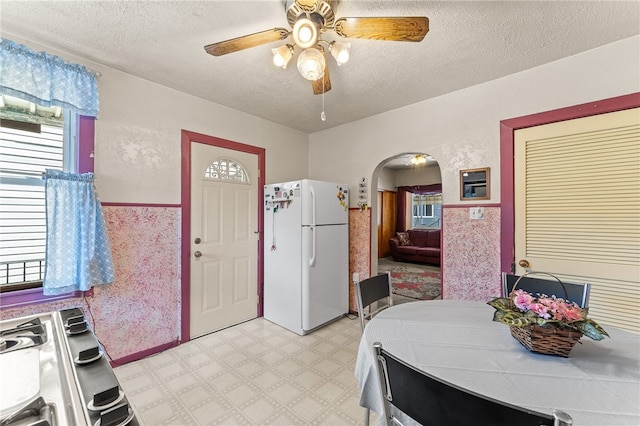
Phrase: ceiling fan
(418,160)
(309,21)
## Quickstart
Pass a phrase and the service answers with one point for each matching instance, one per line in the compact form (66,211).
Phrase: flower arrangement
(522,309)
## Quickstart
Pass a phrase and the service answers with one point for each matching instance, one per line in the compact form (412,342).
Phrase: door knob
(197,241)
(197,254)
(524,263)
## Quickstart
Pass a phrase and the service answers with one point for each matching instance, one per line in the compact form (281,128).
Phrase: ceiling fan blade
(323,84)
(411,28)
(245,42)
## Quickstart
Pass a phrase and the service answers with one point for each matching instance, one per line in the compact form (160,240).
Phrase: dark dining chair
(370,291)
(431,401)
(373,290)
(576,292)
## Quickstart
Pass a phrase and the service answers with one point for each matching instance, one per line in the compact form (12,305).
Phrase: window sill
(34,296)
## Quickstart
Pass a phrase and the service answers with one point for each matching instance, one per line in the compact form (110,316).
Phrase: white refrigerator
(306,254)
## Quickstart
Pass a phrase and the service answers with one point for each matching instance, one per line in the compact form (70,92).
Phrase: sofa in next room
(416,245)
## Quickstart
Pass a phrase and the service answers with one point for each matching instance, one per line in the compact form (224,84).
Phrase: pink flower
(524,309)
(546,307)
(573,313)
(541,310)
(522,300)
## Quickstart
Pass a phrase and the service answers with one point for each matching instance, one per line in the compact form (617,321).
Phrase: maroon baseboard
(143,354)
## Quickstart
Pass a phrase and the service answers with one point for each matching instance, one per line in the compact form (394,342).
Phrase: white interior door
(576,208)
(224,239)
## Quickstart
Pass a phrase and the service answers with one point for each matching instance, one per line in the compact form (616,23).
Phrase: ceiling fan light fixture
(419,159)
(340,51)
(309,20)
(305,33)
(311,64)
(282,55)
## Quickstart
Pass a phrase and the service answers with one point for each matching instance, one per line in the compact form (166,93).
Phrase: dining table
(458,342)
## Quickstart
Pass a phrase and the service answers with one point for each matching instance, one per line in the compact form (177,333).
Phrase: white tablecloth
(457,341)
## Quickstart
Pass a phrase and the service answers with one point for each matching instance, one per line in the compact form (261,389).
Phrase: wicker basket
(550,339)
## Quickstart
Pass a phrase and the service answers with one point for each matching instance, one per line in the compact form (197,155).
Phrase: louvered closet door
(577,196)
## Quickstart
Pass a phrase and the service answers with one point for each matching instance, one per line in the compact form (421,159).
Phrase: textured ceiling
(468,43)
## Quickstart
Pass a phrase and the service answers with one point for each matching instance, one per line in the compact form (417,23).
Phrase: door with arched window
(224,239)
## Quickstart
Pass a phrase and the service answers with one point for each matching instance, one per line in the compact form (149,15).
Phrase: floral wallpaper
(471,254)
(140,310)
(359,249)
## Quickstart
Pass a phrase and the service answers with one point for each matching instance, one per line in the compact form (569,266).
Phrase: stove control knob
(115,416)
(89,354)
(75,320)
(77,328)
(105,397)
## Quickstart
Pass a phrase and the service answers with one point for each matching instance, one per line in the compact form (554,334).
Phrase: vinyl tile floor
(254,373)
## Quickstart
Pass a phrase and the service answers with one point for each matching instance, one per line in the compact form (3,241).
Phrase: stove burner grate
(15,343)
(37,408)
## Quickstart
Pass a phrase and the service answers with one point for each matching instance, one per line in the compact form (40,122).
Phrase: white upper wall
(461,130)
(138,136)
(137,153)
(139,131)
(386,180)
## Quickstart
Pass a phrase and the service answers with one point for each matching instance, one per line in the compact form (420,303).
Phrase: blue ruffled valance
(46,79)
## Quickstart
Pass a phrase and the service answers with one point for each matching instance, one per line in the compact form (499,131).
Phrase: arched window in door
(227,170)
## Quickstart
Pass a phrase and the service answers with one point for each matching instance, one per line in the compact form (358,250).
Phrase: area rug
(416,285)
(414,281)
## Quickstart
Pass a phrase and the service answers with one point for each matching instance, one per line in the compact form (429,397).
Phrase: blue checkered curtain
(46,80)
(78,254)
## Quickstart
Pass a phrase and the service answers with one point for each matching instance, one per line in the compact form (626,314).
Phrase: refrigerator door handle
(312,193)
(312,260)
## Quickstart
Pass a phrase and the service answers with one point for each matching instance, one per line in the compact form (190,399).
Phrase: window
(226,170)
(421,211)
(426,211)
(32,138)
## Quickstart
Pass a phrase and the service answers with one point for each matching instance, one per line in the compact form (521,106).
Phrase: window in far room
(426,211)
(32,138)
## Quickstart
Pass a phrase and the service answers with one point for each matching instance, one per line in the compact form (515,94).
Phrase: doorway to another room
(409,221)
(222,189)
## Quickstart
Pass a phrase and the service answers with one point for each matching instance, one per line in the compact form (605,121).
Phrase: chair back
(578,293)
(371,290)
(431,401)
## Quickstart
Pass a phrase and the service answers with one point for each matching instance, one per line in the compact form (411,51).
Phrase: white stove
(54,374)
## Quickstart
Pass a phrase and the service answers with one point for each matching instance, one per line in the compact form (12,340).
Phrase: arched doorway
(414,178)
